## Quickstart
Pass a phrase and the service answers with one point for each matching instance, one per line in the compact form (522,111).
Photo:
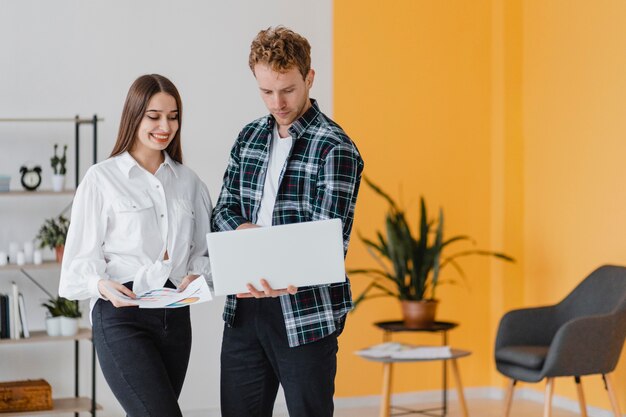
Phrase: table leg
(385,401)
(459,387)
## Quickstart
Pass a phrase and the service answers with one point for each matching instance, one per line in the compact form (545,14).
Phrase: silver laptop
(299,254)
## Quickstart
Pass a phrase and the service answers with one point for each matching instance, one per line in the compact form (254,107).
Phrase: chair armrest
(527,326)
(586,345)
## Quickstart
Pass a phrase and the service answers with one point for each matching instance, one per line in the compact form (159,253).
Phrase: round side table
(388,362)
(397,326)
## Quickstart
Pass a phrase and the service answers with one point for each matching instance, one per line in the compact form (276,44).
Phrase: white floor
(477,408)
(481,403)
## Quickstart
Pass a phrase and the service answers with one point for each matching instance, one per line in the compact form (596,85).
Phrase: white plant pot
(69,326)
(58,182)
(53,326)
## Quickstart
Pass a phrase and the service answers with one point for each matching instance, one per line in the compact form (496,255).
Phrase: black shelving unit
(77,404)
(78,122)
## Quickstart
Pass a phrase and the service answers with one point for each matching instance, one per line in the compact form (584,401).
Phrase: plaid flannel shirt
(319,181)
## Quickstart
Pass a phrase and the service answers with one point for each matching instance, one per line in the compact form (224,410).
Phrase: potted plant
(58,167)
(410,265)
(52,235)
(63,315)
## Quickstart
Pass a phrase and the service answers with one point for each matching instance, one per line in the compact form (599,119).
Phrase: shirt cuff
(93,286)
(230,222)
(199,266)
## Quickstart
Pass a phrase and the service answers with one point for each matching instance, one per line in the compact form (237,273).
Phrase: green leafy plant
(53,232)
(410,266)
(62,307)
(58,163)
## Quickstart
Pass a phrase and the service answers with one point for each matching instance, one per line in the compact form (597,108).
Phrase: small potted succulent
(62,317)
(58,167)
(52,235)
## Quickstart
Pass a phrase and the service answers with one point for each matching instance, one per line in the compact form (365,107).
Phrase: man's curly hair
(281,49)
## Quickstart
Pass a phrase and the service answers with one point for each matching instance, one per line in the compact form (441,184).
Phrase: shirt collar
(299,126)
(126,163)
(174,166)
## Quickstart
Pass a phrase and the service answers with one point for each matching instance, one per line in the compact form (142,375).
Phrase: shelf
(76,404)
(35,193)
(48,119)
(31,267)
(41,336)
(60,405)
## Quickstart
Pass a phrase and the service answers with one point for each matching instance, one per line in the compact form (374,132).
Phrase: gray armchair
(581,335)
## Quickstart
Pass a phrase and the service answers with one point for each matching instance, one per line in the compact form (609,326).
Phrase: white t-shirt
(279,152)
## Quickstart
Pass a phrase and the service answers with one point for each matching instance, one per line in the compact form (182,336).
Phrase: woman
(139,221)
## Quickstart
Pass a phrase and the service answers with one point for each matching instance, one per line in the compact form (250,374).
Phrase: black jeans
(256,358)
(144,355)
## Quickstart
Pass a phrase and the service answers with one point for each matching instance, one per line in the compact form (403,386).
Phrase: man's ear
(309,78)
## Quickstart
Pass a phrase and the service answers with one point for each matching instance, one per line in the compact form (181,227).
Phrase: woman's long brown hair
(135,107)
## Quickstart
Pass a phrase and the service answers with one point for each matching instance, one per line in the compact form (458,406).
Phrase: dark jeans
(256,358)
(143,354)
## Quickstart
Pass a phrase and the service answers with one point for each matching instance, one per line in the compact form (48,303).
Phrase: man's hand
(186,281)
(105,284)
(247,226)
(267,291)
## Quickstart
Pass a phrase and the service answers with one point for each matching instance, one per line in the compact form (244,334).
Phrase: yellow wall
(574,146)
(508,114)
(507,146)
(412,87)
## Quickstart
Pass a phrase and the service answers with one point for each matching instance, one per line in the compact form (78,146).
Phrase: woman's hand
(105,286)
(186,281)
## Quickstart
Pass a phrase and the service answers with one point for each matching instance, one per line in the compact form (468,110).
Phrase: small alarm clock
(31,177)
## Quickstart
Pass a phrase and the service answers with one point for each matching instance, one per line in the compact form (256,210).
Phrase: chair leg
(508,399)
(581,397)
(547,406)
(608,383)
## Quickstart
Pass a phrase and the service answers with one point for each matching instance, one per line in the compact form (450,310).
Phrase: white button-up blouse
(124,219)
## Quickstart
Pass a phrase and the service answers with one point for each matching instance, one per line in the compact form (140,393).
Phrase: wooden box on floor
(30,395)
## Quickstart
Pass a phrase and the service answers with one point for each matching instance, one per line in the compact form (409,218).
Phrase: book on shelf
(22,313)
(4,316)
(13,321)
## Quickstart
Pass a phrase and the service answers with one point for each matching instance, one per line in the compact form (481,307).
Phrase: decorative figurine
(58,166)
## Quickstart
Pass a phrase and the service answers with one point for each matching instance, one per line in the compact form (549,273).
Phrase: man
(294,165)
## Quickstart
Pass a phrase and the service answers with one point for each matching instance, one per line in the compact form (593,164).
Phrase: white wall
(61,58)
